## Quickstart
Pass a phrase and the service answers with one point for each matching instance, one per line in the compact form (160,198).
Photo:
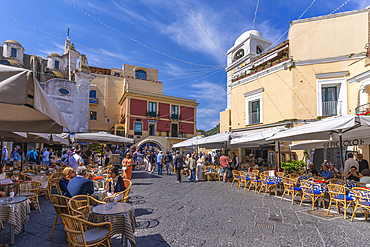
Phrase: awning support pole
(279,155)
(22,156)
(341,148)
(2,143)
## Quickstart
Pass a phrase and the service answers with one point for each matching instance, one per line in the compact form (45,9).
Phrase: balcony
(254,118)
(174,116)
(93,101)
(152,114)
(331,108)
(363,109)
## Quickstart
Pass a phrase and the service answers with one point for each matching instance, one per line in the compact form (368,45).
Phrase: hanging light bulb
(331,137)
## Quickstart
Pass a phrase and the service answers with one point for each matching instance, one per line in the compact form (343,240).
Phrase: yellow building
(321,70)
(130,102)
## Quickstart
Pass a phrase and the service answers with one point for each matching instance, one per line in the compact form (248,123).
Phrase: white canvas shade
(254,139)
(192,142)
(221,140)
(102,137)
(24,106)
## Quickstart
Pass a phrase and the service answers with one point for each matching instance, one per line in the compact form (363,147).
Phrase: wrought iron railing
(363,109)
(331,108)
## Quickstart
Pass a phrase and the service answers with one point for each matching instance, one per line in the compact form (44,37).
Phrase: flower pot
(267,66)
(258,70)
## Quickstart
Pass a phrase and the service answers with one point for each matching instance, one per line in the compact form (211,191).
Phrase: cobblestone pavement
(209,214)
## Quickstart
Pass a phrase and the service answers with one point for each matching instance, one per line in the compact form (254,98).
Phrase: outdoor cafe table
(15,212)
(122,217)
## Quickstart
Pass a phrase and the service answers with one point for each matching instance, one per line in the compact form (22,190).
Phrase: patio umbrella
(336,128)
(102,137)
(254,139)
(221,140)
(24,106)
(192,142)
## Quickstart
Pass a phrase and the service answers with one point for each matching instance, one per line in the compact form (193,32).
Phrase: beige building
(321,70)
(130,102)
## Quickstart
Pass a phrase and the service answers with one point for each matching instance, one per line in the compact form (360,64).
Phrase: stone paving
(209,214)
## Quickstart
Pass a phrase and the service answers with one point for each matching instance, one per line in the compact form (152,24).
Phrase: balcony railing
(363,109)
(254,118)
(93,101)
(175,116)
(331,108)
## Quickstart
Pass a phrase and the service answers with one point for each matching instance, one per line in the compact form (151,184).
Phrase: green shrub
(295,165)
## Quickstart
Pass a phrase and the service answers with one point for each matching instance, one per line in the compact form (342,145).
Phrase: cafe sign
(346,143)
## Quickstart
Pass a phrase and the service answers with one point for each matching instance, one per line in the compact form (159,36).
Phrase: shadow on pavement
(143,175)
(146,224)
(143,211)
(151,240)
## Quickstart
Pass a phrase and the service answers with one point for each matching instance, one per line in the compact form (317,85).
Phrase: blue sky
(167,26)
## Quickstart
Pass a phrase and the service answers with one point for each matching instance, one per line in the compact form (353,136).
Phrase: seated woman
(353,174)
(312,170)
(366,176)
(326,173)
(67,174)
(116,184)
(2,176)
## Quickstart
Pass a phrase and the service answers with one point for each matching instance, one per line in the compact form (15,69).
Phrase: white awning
(254,139)
(101,137)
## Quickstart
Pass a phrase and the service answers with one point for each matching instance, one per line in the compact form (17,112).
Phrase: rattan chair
(280,174)
(60,204)
(44,187)
(78,235)
(291,188)
(255,182)
(127,182)
(236,177)
(245,179)
(338,195)
(267,184)
(218,173)
(31,190)
(54,182)
(118,197)
(362,200)
(80,205)
(360,184)
(313,191)
(256,171)
(337,181)
(318,178)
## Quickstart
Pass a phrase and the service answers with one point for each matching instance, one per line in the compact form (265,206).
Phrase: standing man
(192,163)
(5,155)
(31,155)
(178,162)
(45,157)
(75,160)
(363,164)
(235,161)
(224,161)
(159,163)
(152,161)
(168,162)
(349,163)
(108,156)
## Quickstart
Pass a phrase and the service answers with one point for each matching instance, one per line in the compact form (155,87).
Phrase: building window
(152,129)
(140,74)
(254,112)
(117,74)
(175,112)
(152,109)
(239,54)
(56,65)
(93,94)
(138,128)
(329,101)
(258,50)
(253,106)
(63,91)
(93,115)
(13,52)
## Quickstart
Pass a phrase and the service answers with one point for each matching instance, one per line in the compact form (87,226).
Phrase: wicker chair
(338,195)
(236,177)
(127,182)
(362,200)
(256,171)
(31,190)
(54,181)
(318,178)
(267,184)
(337,181)
(360,184)
(78,235)
(280,174)
(44,187)
(245,179)
(291,188)
(80,205)
(119,197)
(313,191)
(60,204)
(255,182)
(218,173)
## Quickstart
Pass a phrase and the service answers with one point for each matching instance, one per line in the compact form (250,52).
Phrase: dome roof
(246,35)
(54,55)
(13,42)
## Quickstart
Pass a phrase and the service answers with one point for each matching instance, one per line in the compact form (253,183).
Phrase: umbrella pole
(279,155)
(2,143)
(22,156)
(341,148)
(226,148)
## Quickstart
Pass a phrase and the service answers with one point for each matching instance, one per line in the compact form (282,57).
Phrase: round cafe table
(122,217)
(15,212)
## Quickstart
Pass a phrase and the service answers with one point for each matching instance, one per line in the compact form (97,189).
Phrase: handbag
(229,174)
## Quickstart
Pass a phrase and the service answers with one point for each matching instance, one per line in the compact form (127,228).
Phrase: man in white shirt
(45,157)
(75,160)
(108,156)
(349,163)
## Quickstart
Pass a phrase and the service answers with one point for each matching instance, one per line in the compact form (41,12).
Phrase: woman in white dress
(200,164)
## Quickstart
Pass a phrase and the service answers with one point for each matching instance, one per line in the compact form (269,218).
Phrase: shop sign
(152,121)
(345,143)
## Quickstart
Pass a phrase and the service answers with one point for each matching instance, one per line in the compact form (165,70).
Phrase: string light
(126,36)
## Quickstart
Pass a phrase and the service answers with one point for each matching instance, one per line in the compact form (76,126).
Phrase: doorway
(152,129)
(174,128)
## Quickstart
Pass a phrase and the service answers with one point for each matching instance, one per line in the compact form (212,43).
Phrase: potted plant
(268,65)
(253,71)
(294,166)
(284,58)
(259,69)
(275,62)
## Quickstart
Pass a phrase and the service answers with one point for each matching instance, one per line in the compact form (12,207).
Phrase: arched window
(140,74)
(259,50)
(238,54)
(93,94)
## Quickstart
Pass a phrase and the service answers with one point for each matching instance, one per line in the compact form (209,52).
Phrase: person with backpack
(31,155)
